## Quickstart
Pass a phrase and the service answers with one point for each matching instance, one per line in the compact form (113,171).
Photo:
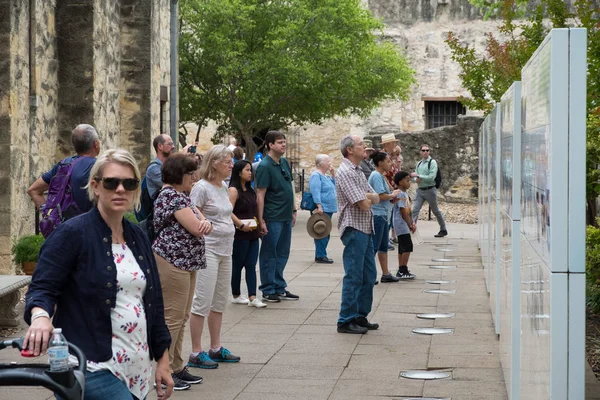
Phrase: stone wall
(455,148)
(91,61)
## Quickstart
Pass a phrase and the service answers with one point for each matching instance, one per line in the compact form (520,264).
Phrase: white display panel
(494,159)
(510,263)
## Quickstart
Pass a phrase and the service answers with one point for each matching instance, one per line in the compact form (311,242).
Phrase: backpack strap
(429,167)
(67,181)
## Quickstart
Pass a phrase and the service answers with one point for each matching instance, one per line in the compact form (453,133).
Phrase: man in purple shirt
(355,197)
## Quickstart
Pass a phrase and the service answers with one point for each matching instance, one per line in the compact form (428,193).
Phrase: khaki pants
(178,291)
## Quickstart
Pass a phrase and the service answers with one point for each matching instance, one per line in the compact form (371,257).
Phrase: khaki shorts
(213,285)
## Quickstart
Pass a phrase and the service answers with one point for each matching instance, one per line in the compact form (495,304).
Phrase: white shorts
(213,285)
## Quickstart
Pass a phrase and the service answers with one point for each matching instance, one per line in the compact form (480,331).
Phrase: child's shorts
(405,244)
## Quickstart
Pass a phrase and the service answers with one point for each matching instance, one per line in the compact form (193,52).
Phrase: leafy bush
(27,248)
(593,297)
(129,216)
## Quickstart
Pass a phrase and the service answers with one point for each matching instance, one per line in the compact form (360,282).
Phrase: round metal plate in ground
(428,398)
(439,282)
(439,291)
(444,249)
(433,331)
(436,315)
(442,266)
(425,375)
(443,259)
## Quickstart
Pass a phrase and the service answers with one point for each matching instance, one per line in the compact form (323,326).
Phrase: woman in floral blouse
(97,279)
(179,253)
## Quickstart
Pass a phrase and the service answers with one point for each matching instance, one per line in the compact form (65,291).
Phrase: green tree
(487,76)
(252,65)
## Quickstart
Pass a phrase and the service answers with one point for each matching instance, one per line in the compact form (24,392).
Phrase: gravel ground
(453,212)
(592,345)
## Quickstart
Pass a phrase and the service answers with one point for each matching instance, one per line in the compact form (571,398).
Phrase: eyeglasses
(285,174)
(129,184)
(424,149)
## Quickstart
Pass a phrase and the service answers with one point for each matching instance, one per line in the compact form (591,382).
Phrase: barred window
(442,113)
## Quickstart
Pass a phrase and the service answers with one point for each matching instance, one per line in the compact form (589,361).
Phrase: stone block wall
(66,62)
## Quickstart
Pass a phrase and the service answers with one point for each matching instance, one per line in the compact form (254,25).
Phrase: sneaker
(185,377)
(442,233)
(362,321)
(391,248)
(394,240)
(271,298)
(223,355)
(256,303)
(389,278)
(405,275)
(178,384)
(202,360)
(288,296)
(240,300)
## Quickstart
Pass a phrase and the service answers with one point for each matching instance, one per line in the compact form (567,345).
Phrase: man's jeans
(359,275)
(321,244)
(429,196)
(274,254)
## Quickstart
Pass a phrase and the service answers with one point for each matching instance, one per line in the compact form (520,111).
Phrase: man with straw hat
(355,197)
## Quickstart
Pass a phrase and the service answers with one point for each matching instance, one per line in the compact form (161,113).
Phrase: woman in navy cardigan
(97,278)
(322,188)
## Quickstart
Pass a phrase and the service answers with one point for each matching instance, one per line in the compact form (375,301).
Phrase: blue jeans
(274,254)
(321,244)
(245,255)
(381,237)
(103,385)
(359,275)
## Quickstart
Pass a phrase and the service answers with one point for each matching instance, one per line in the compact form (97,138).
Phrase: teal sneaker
(202,360)
(223,355)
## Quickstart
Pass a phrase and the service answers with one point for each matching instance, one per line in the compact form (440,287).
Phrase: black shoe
(389,278)
(362,321)
(288,296)
(178,384)
(185,376)
(377,282)
(351,327)
(323,260)
(404,274)
(442,233)
(391,248)
(271,298)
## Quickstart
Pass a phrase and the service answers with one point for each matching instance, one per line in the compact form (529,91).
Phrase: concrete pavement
(291,350)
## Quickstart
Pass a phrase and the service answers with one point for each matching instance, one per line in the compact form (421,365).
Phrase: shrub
(129,216)
(593,297)
(27,248)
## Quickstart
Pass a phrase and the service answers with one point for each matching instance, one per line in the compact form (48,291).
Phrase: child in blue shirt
(403,225)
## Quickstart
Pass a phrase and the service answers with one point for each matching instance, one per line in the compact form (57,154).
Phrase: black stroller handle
(67,384)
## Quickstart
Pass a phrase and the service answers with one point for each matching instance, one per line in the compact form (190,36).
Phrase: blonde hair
(117,156)
(216,154)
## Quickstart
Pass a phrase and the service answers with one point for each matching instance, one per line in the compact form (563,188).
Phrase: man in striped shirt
(355,223)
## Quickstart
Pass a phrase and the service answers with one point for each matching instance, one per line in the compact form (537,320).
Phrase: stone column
(75,50)
(136,74)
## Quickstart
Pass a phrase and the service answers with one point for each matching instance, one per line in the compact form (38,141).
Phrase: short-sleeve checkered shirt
(352,187)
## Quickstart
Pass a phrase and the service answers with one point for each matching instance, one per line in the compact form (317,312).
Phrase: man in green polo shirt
(276,215)
(425,173)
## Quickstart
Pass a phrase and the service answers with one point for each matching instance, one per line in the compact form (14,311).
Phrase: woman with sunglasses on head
(179,251)
(245,243)
(210,195)
(97,278)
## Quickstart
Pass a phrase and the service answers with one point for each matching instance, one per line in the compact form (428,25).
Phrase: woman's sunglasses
(129,184)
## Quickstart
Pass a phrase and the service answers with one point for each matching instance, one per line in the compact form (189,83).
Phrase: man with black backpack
(65,182)
(429,179)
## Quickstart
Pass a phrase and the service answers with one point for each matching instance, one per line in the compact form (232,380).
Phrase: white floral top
(131,358)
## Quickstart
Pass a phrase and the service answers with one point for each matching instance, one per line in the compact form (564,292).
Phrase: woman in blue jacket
(322,188)
(97,277)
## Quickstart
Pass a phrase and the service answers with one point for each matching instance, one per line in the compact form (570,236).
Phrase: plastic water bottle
(58,352)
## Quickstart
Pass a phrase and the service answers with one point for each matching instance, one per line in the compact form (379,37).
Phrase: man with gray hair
(87,146)
(355,197)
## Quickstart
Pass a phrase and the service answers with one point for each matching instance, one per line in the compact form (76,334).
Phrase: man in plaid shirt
(355,223)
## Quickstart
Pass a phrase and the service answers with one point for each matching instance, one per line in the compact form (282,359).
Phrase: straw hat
(318,226)
(368,144)
(388,138)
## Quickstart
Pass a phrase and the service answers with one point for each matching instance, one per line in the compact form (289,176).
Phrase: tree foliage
(487,76)
(251,65)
